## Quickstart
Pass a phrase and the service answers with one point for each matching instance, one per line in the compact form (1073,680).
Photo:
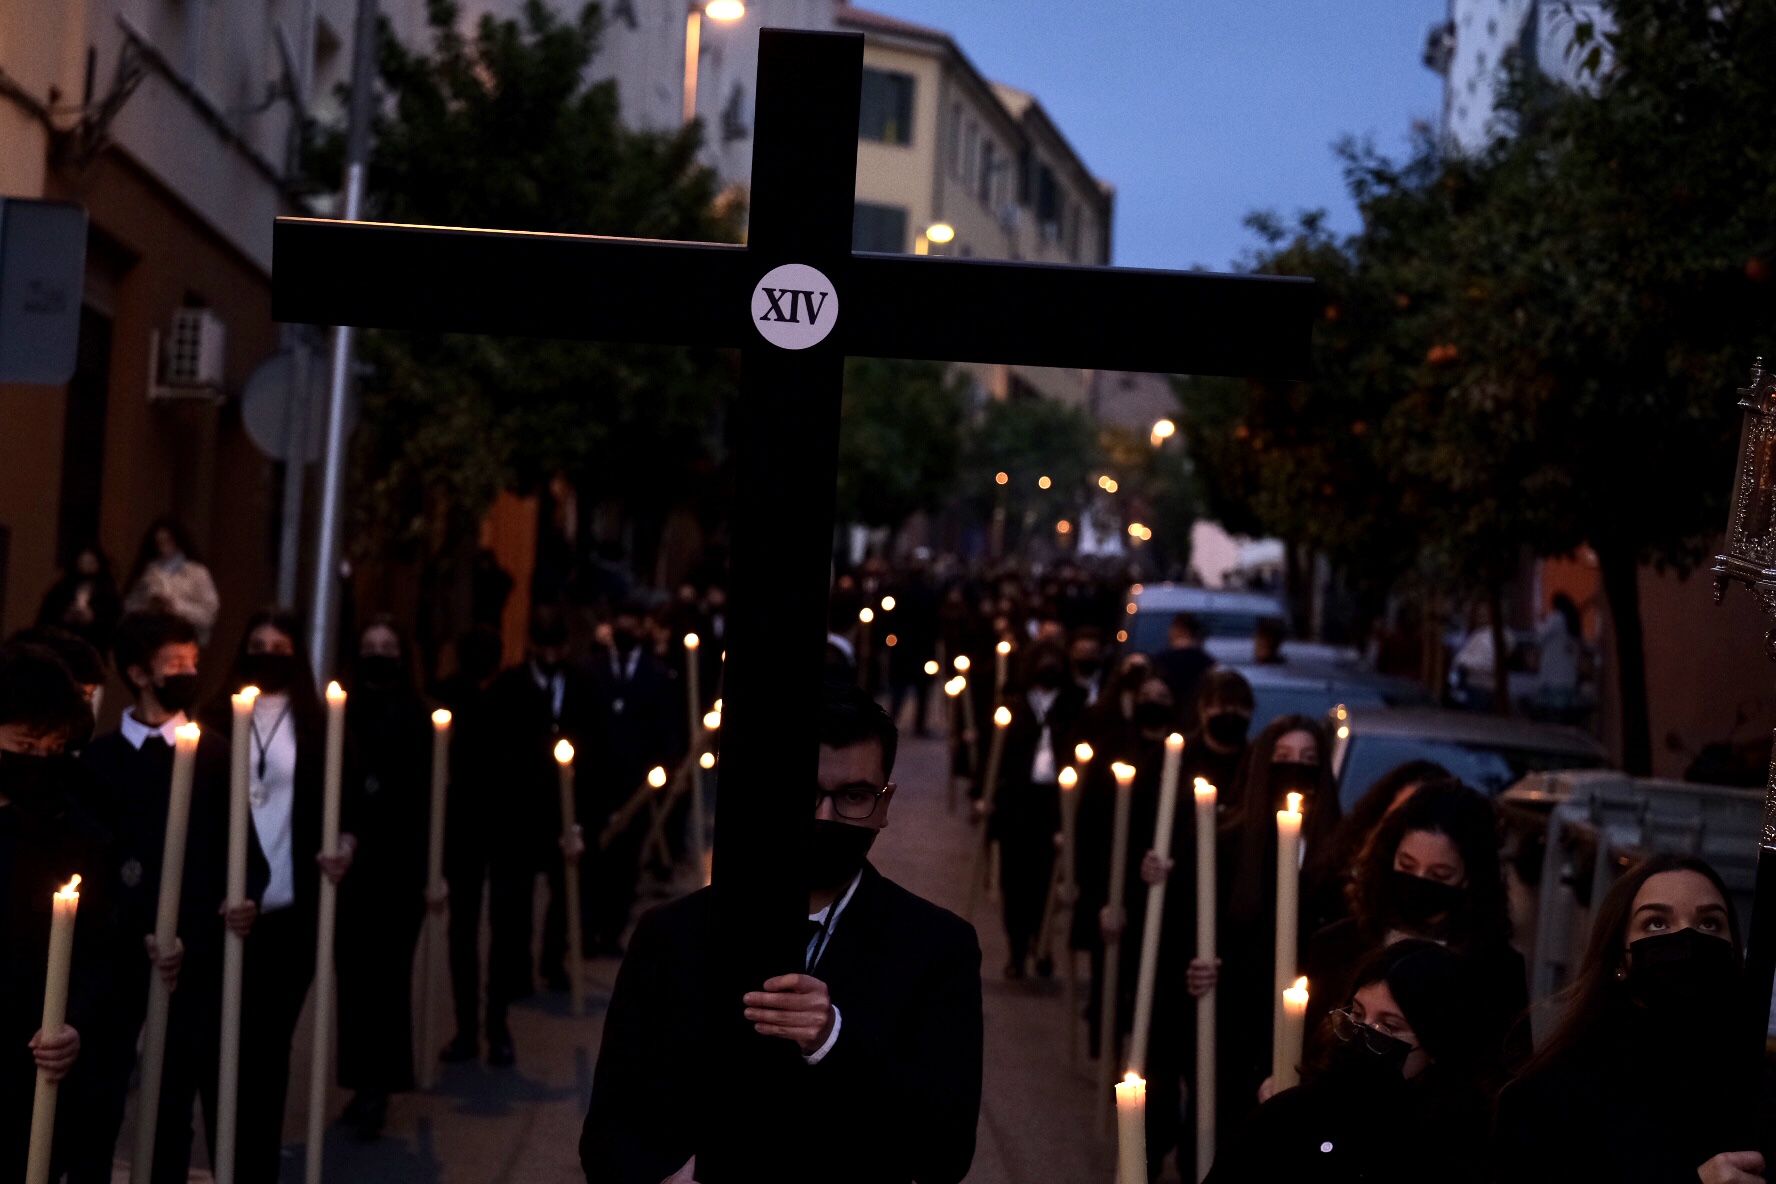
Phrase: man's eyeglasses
(855,802)
(1349,1029)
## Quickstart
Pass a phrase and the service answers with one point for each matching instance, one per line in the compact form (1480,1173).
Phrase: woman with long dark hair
(170,577)
(286,759)
(1289,756)
(382,904)
(1431,870)
(84,600)
(1401,1094)
(1648,1077)
(1360,821)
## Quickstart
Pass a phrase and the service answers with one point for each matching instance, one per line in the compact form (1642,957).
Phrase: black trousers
(280,968)
(378,933)
(188,1073)
(509,880)
(1026,864)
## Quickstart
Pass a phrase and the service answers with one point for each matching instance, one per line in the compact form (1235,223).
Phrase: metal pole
(357,152)
(295,470)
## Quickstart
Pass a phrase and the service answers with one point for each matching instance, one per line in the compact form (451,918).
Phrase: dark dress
(1630,1105)
(382,901)
(1432,1128)
(1027,812)
(905,978)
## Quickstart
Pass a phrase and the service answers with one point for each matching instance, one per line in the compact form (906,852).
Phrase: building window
(886,115)
(1048,199)
(879,228)
(970,140)
(989,166)
(956,140)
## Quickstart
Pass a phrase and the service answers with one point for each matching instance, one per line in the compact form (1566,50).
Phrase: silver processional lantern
(1750,559)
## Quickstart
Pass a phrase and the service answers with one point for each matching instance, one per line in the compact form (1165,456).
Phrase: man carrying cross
(785,431)
(885,1014)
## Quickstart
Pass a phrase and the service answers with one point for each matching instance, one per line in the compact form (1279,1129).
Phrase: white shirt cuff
(832,1038)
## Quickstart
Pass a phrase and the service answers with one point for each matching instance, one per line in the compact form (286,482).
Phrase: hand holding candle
(333,863)
(984,806)
(1288,907)
(1206,796)
(1285,1065)
(436,896)
(570,886)
(234,942)
(55,1044)
(1108,1028)
(1162,848)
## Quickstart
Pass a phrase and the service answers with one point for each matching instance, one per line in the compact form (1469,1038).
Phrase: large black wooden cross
(796,301)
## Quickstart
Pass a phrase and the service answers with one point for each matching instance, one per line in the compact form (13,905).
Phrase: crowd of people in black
(1419,1063)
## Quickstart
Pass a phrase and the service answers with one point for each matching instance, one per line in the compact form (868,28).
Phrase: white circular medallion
(794,306)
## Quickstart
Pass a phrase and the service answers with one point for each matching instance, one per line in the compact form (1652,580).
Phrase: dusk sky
(1199,111)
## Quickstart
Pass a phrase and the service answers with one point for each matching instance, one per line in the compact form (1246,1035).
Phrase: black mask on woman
(271,673)
(1152,717)
(1049,677)
(1417,899)
(1086,670)
(176,692)
(1374,1060)
(837,852)
(1227,728)
(1287,777)
(1685,972)
(379,670)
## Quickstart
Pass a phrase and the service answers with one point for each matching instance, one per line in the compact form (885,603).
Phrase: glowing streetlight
(1163,430)
(722,12)
(1043,483)
(1002,478)
(939,233)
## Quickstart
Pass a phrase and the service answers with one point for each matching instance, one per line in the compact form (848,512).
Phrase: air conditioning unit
(188,360)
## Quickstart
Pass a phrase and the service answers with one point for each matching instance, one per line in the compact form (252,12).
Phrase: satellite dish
(273,412)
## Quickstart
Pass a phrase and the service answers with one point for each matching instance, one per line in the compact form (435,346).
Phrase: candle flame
(441,718)
(718,705)
(335,693)
(1125,773)
(866,614)
(1205,788)
(712,720)
(245,697)
(1133,1078)
(1002,648)
(1002,717)
(187,734)
(888,603)
(692,641)
(962,663)
(1069,778)
(1175,741)
(1294,801)
(1297,994)
(931,668)
(70,890)
(1082,752)
(955,686)
(707,760)
(657,776)
(564,752)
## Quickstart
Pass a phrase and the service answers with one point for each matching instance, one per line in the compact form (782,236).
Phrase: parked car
(1229,619)
(1489,752)
(1316,691)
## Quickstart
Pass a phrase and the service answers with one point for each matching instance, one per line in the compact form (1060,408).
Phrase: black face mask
(837,852)
(33,784)
(176,692)
(1416,899)
(271,673)
(1685,972)
(625,640)
(1050,677)
(1227,728)
(1086,671)
(1287,777)
(1359,1065)
(379,670)
(1152,717)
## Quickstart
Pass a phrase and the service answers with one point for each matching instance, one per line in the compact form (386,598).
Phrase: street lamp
(1163,430)
(1750,559)
(720,11)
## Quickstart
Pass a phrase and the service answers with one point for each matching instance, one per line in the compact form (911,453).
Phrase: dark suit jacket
(897,1098)
(1022,806)
(526,818)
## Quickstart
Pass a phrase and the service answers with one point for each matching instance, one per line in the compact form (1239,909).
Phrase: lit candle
(1206,795)
(320,1063)
(64,904)
(1162,847)
(166,939)
(1131,1129)
(1285,1064)
(1069,783)
(962,663)
(1288,910)
(931,668)
(1001,667)
(988,800)
(1119,837)
(1082,752)
(433,948)
(694,705)
(234,946)
(570,885)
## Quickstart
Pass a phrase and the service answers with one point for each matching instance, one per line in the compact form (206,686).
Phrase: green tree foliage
(499,127)
(900,439)
(1541,338)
